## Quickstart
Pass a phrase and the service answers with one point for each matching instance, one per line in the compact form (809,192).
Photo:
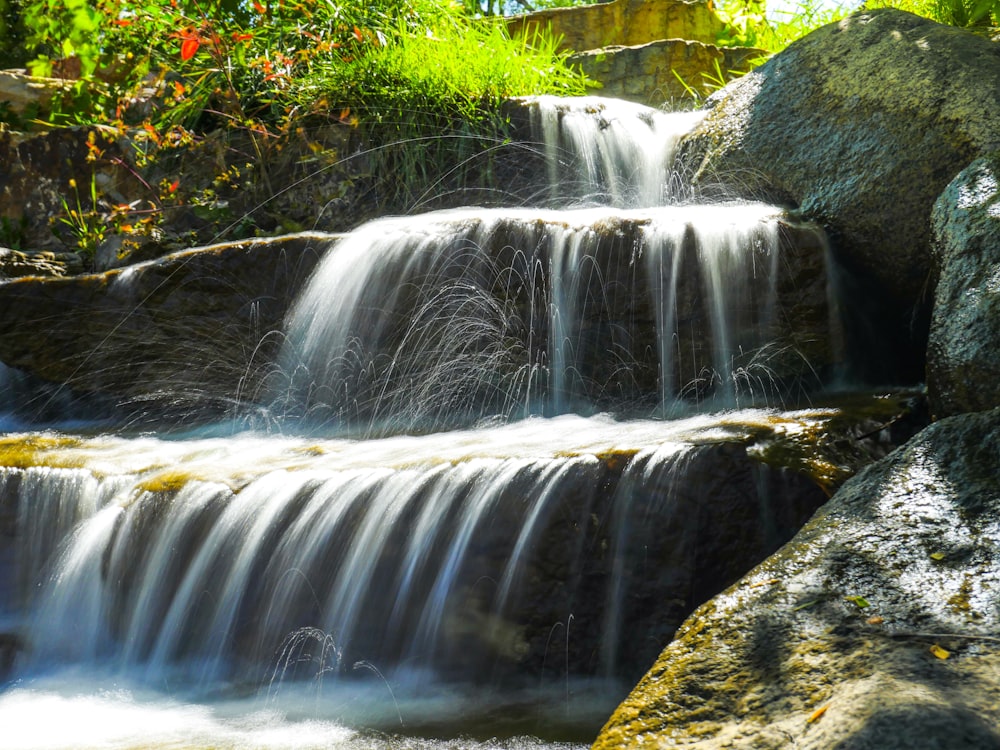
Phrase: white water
(140,557)
(610,152)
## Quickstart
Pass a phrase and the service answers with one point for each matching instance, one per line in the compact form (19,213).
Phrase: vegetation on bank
(751,23)
(169,75)
(419,82)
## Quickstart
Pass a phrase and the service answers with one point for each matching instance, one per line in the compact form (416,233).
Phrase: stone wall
(624,22)
(662,71)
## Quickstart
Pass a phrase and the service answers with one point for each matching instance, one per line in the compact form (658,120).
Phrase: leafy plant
(86,225)
(750,24)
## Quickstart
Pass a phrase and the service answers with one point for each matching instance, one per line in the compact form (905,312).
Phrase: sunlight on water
(78,712)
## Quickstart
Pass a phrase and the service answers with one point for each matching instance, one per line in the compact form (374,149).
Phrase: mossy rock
(830,642)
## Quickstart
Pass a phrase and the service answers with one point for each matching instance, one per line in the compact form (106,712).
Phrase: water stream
(461,512)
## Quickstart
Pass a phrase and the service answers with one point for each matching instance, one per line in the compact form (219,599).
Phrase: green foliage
(963,13)
(257,64)
(420,79)
(748,25)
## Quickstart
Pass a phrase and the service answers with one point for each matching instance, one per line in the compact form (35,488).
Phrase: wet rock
(643,542)
(964,346)
(874,627)
(188,334)
(861,124)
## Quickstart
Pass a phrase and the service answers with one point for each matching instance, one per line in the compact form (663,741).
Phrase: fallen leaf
(859,601)
(937,556)
(768,582)
(875,620)
(939,652)
(817,714)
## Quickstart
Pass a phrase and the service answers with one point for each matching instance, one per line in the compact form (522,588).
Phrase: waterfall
(609,151)
(463,480)
(442,556)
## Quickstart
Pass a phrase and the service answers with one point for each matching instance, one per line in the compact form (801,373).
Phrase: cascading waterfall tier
(426,322)
(438,557)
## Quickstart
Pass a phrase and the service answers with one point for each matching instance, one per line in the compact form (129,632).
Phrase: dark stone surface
(963,357)
(186,335)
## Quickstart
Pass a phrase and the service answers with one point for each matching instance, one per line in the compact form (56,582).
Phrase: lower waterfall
(536,559)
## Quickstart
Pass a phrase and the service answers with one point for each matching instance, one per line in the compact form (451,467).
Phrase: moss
(170,480)
(22,452)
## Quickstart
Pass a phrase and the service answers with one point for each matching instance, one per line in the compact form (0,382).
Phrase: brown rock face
(829,643)
(626,22)
(186,334)
(861,124)
(660,71)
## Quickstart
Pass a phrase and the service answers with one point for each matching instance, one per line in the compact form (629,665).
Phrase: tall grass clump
(433,100)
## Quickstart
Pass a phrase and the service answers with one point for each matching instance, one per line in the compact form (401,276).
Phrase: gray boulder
(963,356)
(861,124)
(875,627)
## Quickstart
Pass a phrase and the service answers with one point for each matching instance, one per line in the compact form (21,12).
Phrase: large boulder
(861,124)
(963,356)
(875,627)
(191,333)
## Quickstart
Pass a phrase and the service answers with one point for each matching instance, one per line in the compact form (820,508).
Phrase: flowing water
(442,535)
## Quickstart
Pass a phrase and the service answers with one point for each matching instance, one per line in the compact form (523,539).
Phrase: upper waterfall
(608,151)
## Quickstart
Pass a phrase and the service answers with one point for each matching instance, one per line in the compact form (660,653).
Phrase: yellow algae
(26,451)
(169,480)
(960,601)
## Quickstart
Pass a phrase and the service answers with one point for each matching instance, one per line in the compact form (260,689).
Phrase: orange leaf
(188,48)
(121,22)
(238,37)
(817,714)
(259,8)
(357,34)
